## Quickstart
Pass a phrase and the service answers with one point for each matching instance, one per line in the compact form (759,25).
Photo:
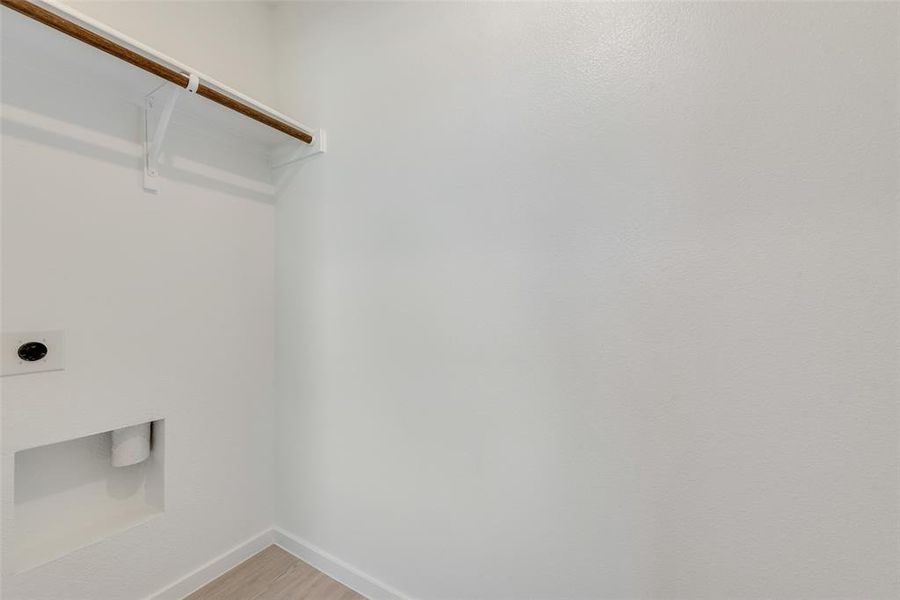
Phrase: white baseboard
(332,566)
(209,571)
(335,568)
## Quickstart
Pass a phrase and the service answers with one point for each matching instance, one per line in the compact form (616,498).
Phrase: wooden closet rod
(87,36)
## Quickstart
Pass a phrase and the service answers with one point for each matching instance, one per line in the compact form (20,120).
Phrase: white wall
(229,41)
(593,301)
(167,302)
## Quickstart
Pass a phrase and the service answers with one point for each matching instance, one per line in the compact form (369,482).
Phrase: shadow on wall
(98,123)
(75,463)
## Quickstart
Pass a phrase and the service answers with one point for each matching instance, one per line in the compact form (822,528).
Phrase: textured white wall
(167,301)
(227,40)
(593,301)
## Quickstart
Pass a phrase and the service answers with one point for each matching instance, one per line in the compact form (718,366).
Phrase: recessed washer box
(68,495)
(32,352)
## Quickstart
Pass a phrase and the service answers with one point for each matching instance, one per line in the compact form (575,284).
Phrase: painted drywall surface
(593,301)
(229,41)
(167,303)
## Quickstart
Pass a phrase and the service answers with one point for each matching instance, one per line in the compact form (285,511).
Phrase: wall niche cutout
(68,495)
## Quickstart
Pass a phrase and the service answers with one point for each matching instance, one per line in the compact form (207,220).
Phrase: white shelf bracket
(288,155)
(158,107)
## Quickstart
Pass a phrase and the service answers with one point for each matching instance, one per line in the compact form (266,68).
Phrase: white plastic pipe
(130,445)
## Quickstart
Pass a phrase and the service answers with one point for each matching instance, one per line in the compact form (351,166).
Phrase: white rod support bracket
(158,107)
(193,83)
(290,154)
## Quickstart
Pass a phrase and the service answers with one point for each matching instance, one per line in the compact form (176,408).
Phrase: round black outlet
(32,351)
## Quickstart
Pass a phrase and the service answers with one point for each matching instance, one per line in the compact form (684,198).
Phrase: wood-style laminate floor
(274,574)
